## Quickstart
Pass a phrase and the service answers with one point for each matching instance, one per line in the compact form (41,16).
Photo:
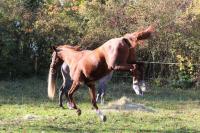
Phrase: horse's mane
(76,47)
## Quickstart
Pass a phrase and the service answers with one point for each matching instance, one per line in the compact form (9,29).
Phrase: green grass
(175,110)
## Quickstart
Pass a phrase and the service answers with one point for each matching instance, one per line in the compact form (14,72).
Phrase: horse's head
(138,36)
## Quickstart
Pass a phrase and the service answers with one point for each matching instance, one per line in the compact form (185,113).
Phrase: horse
(138,83)
(95,64)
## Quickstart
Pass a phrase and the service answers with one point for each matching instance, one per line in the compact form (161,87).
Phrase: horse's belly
(100,72)
(95,71)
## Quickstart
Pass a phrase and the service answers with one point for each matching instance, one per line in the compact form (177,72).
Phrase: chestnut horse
(138,81)
(95,64)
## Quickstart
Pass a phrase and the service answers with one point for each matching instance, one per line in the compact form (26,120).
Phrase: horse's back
(92,65)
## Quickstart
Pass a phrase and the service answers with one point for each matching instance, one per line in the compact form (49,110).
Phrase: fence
(165,73)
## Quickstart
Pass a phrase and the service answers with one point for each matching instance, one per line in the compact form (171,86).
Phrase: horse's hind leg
(66,83)
(66,89)
(93,101)
(61,92)
(99,91)
(72,103)
(62,88)
(103,89)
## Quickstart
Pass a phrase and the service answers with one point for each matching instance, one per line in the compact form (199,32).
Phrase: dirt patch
(31,117)
(126,104)
(19,120)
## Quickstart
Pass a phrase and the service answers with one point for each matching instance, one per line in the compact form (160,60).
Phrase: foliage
(185,72)
(28,28)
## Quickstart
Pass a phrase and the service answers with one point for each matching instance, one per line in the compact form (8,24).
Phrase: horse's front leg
(72,103)
(124,67)
(67,86)
(138,80)
(141,76)
(93,101)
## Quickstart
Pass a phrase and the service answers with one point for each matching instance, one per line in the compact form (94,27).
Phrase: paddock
(24,107)
(171,60)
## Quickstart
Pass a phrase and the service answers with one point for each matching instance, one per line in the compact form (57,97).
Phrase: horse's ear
(53,48)
(126,41)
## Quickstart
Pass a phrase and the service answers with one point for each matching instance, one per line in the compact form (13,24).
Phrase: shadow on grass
(23,91)
(34,90)
(181,130)
(164,93)
(81,129)
(66,129)
(53,129)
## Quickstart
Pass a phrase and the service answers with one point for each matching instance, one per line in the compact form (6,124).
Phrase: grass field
(24,107)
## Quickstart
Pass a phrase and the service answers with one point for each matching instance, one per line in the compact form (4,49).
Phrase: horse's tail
(52,76)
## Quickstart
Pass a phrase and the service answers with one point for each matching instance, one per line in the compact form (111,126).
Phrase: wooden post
(36,64)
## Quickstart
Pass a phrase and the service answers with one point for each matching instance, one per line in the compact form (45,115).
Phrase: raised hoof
(78,112)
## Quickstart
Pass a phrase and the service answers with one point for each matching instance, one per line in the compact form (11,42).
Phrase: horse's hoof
(78,112)
(103,118)
(70,106)
(61,106)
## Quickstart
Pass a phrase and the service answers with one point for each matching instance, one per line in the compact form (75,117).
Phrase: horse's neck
(109,45)
(132,56)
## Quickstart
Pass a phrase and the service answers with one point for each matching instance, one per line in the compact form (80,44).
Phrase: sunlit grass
(175,110)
